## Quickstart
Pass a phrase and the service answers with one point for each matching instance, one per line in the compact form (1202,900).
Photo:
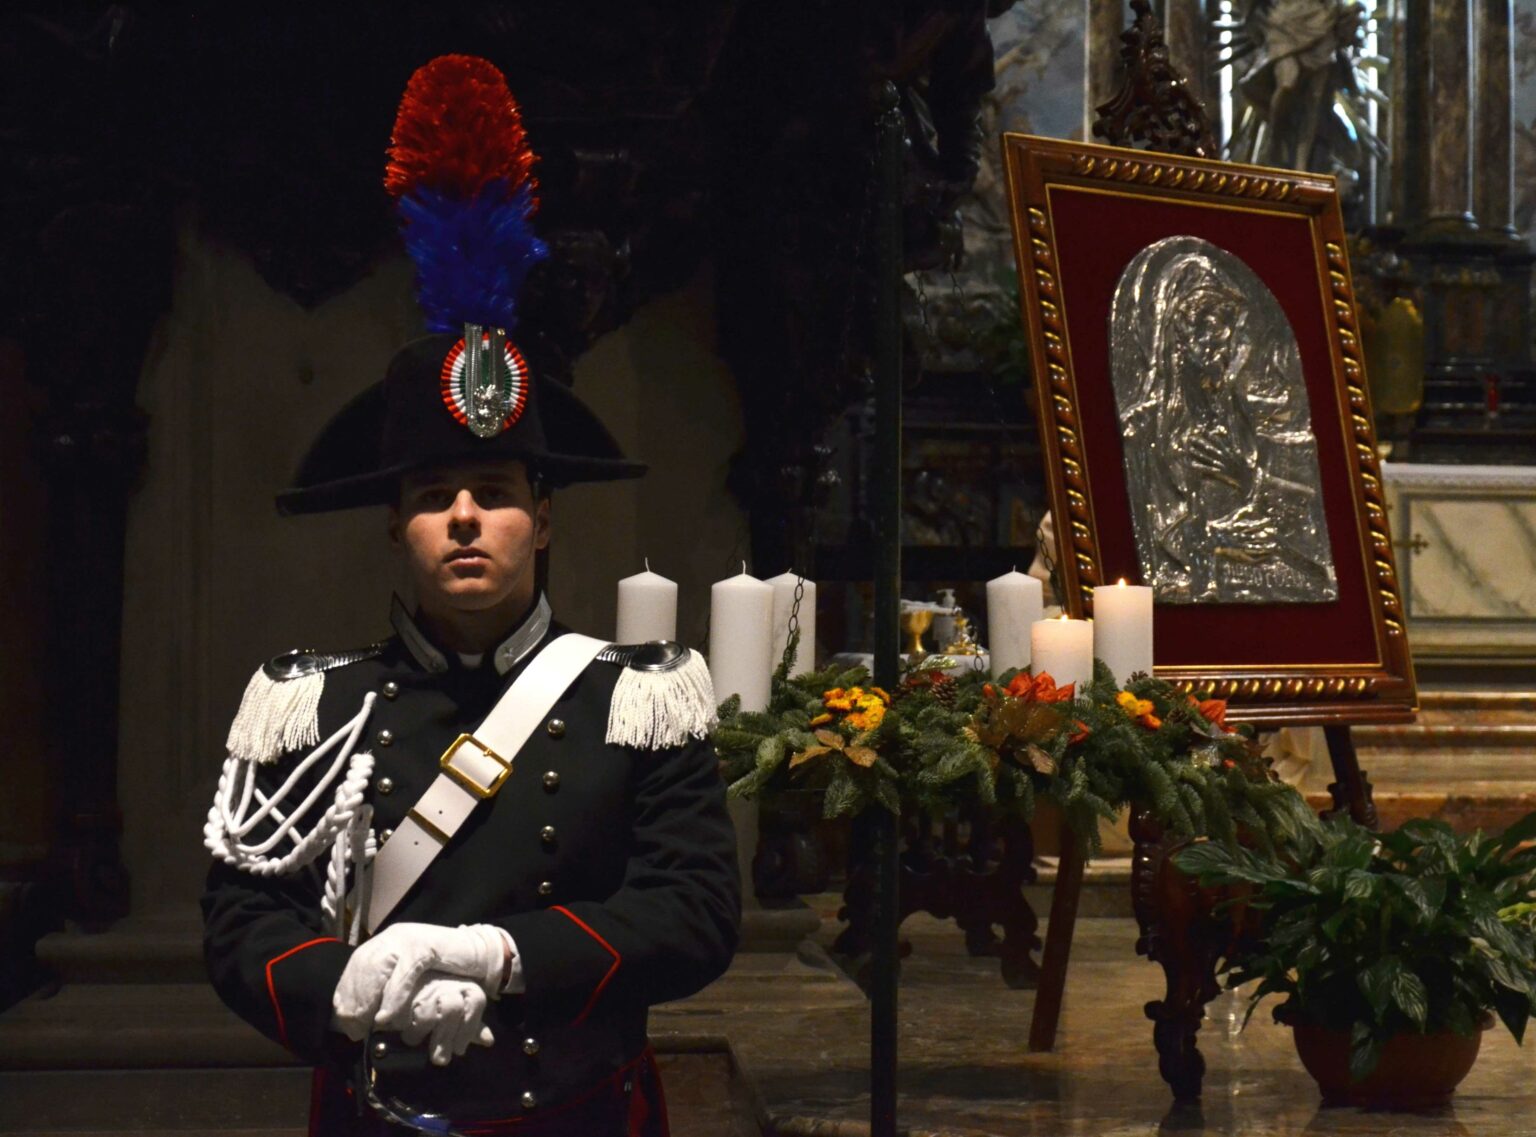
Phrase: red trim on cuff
(617,959)
(277,1008)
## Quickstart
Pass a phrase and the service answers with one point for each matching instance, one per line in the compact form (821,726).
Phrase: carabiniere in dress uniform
(455,880)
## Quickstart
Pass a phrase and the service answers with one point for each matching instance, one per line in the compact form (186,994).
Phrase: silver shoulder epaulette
(663,697)
(296,664)
(654,655)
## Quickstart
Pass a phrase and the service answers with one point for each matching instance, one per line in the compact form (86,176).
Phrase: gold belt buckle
(469,783)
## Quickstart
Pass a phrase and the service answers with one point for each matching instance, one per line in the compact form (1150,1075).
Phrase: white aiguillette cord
(473,769)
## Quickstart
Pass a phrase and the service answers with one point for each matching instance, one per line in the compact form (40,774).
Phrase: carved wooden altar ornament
(1204,415)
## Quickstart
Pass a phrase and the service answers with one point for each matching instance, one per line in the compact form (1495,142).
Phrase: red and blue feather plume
(461,173)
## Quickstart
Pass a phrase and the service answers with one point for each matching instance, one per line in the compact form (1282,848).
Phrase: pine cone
(946,691)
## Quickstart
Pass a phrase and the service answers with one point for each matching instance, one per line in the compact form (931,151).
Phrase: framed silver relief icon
(1220,459)
(1205,425)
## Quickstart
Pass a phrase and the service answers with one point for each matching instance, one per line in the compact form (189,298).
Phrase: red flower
(1214,711)
(1080,734)
(1040,689)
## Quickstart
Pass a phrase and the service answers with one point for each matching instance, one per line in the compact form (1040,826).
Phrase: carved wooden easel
(1178,931)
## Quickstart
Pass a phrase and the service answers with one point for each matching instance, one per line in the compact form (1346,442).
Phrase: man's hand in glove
(450,1010)
(383,975)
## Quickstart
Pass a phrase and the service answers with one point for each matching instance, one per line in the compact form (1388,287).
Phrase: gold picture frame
(1079,212)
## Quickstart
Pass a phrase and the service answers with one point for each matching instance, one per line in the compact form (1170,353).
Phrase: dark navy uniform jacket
(613,869)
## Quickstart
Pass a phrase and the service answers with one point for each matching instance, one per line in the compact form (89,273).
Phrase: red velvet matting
(1096,237)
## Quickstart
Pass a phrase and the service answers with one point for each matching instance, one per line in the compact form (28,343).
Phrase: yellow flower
(1139,709)
(838,699)
(868,718)
(1133,706)
(820,720)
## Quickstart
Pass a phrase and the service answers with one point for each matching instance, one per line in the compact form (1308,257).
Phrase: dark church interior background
(197,265)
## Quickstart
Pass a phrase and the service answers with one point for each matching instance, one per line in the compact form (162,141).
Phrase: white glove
(451,1010)
(383,974)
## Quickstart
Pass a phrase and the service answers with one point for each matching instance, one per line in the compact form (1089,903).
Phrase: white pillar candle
(741,640)
(647,608)
(1014,603)
(1063,649)
(1122,628)
(783,587)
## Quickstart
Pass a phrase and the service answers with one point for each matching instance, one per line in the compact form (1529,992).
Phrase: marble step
(236,1102)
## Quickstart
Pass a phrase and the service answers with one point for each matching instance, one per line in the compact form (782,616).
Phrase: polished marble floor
(799,1033)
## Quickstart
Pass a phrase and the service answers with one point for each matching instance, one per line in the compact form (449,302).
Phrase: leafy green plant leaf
(1364,1052)
(1410,996)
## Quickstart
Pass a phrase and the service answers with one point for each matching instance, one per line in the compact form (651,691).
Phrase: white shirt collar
(508,654)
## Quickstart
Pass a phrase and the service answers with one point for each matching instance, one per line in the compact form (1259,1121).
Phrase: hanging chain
(792,641)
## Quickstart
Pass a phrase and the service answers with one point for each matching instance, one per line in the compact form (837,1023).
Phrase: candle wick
(647,564)
(743,568)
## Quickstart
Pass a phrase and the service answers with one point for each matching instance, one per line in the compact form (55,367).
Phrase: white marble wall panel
(1466,542)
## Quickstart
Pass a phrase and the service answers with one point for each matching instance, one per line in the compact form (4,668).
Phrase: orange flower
(1046,690)
(821,720)
(1214,711)
(989,691)
(1040,689)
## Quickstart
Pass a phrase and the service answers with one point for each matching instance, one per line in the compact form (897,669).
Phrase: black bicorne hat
(407,422)
(460,170)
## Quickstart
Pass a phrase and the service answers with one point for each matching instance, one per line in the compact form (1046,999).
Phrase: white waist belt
(473,769)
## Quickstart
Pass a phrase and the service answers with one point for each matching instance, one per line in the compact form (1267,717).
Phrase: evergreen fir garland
(938,742)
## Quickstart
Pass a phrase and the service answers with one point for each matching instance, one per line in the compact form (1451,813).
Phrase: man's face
(469,534)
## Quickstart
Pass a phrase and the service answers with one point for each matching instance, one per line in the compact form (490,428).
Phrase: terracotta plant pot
(1416,1070)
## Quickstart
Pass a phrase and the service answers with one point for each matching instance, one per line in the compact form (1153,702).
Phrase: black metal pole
(886,495)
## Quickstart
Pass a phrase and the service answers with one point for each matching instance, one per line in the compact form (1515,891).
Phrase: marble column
(1493,192)
(1103,22)
(1408,122)
(1451,103)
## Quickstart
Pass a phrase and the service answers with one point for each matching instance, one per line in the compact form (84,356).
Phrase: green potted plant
(1393,951)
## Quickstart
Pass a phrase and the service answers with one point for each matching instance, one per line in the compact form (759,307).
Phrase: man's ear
(541,524)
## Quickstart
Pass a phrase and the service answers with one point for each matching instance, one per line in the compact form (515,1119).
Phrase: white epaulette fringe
(344,824)
(276,716)
(653,710)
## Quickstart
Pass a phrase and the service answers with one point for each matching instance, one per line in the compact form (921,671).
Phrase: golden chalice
(914,622)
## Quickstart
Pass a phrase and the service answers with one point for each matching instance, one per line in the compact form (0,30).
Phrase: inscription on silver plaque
(1220,458)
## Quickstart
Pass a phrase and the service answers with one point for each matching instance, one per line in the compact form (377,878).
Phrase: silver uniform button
(528,1100)
(530,1046)
(381,1049)
(556,728)
(547,834)
(546,888)
(552,780)
(391,689)
(385,738)
(385,785)
(385,835)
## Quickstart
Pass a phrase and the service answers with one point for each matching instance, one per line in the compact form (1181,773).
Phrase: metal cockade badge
(485,381)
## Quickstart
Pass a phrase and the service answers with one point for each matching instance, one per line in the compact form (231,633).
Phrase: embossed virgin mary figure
(1220,459)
